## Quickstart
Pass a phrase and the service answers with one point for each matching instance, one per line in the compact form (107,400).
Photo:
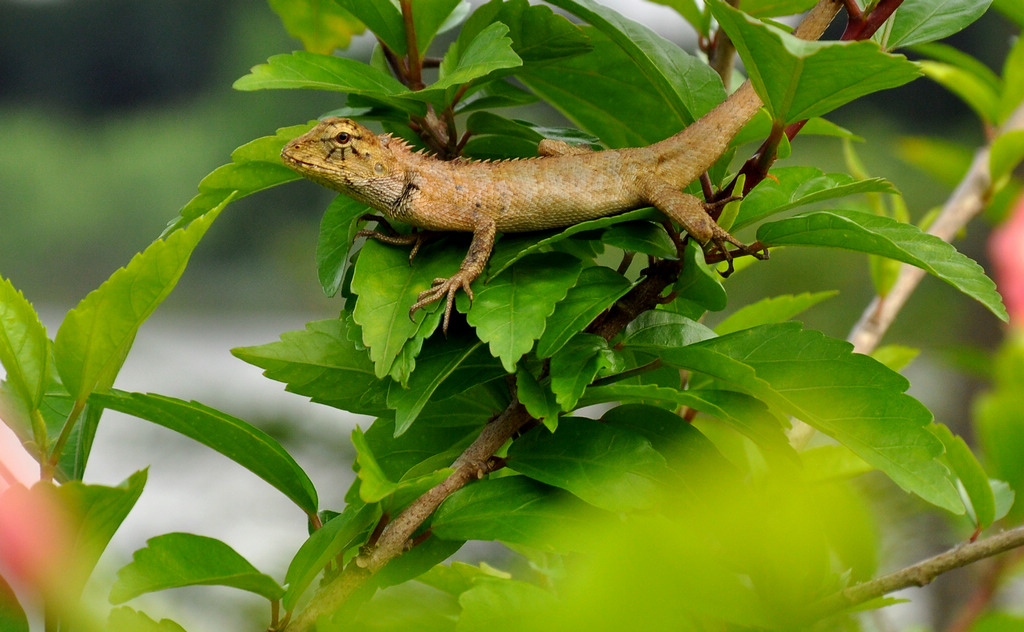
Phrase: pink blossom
(1006,248)
(35,538)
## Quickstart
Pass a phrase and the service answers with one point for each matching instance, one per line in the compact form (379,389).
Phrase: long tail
(691,152)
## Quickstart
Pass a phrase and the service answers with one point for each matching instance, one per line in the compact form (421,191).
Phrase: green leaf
(660,328)
(699,20)
(999,621)
(1011,9)
(687,85)
(24,347)
(1000,429)
(374,485)
(504,256)
(746,414)
(321,363)
(503,605)
(792,187)
(775,8)
(981,502)
(609,467)
(387,286)
(95,336)
(458,364)
(873,234)
(337,230)
(321,25)
(184,559)
(124,619)
(254,166)
(341,533)
(896,357)
(538,35)
(848,396)
(918,21)
(497,137)
(538,399)
(415,451)
(595,291)
(509,312)
(468,408)
(428,18)
(956,57)
(411,564)
(642,237)
(515,509)
(797,79)
(832,462)
(575,365)
(586,89)
(312,71)
(686,450)
(241,442)
(1007,152)
(973,90)
(1004,497)
(456,577)
(490,50)
(1013,80)
(98,511)
(698,284)
(774,309)
(12,615)
(384,19)
(493,95)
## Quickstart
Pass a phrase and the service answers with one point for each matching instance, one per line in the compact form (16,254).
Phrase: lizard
(564,185)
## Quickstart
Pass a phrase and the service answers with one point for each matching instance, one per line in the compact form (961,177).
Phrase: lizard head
(347,157)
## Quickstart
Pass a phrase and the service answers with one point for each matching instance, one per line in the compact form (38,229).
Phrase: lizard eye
(343,138)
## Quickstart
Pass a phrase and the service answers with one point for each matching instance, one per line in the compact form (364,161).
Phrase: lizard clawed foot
(445,288)
(721,252)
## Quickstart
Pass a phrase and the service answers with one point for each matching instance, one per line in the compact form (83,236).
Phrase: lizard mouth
(303,165)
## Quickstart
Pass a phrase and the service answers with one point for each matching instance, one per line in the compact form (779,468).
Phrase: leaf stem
(48,469)
(415,74)
(640,370)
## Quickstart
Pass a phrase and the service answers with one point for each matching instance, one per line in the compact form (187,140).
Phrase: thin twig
(920,574)
(472,464)
(415,75)
(967,201)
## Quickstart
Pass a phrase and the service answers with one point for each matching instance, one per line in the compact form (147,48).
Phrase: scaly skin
(563,186)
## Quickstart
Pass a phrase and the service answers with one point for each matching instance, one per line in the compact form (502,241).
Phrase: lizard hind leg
(692,214)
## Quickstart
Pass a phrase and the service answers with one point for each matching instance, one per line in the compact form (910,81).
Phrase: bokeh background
(111,111)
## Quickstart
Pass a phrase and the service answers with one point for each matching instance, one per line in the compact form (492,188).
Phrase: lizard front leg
(691,213)
(416,239)
(472,266)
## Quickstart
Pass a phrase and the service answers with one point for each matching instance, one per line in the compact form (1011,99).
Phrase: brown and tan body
(562,187)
